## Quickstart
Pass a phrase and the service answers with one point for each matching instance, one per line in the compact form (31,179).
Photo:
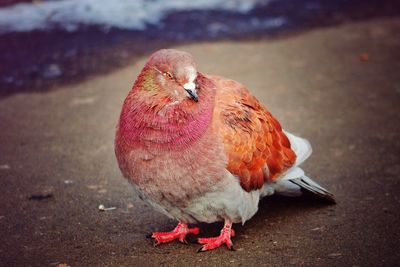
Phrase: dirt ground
(338,87)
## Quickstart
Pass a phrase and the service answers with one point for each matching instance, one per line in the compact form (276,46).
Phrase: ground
(338,87)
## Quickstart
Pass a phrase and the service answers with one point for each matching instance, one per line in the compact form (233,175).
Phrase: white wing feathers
(294,180)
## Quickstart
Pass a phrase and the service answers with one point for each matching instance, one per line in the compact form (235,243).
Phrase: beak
(190,88)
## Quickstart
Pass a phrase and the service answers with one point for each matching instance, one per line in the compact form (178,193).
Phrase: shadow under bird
(201,148)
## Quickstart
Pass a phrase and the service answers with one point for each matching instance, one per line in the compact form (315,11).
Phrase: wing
(257,148)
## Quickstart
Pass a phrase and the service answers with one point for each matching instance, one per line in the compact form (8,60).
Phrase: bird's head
(169,100)
(172,73)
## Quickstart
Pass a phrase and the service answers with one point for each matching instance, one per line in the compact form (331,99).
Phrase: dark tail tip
(308,185)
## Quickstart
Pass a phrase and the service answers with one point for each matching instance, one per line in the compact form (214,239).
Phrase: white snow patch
(123,14)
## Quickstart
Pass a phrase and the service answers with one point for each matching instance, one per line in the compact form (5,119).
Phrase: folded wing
(257,148)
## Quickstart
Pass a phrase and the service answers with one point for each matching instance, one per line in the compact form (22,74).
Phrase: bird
(201,148)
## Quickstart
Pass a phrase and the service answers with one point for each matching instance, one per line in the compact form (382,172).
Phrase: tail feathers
(309,185)
(287,188)
(294,181)
(300,146)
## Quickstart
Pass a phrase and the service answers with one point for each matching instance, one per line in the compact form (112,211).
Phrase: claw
(214,242)
(155,243)
(180,232)
(183,241)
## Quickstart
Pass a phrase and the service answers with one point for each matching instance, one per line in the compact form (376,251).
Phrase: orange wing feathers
(256,146)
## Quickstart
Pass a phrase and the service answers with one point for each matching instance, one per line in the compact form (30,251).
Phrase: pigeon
(202,149)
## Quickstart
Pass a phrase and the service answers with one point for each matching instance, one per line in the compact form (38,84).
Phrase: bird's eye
(168,75)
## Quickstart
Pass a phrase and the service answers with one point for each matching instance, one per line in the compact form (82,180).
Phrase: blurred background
(45,43)
(327,69)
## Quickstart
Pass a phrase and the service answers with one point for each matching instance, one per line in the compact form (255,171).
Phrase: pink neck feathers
(151,119)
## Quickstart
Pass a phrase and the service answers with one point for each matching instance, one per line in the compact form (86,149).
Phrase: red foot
(214,242)
(180,232)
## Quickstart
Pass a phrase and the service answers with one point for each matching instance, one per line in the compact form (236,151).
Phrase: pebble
(335,255)
(5,167)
